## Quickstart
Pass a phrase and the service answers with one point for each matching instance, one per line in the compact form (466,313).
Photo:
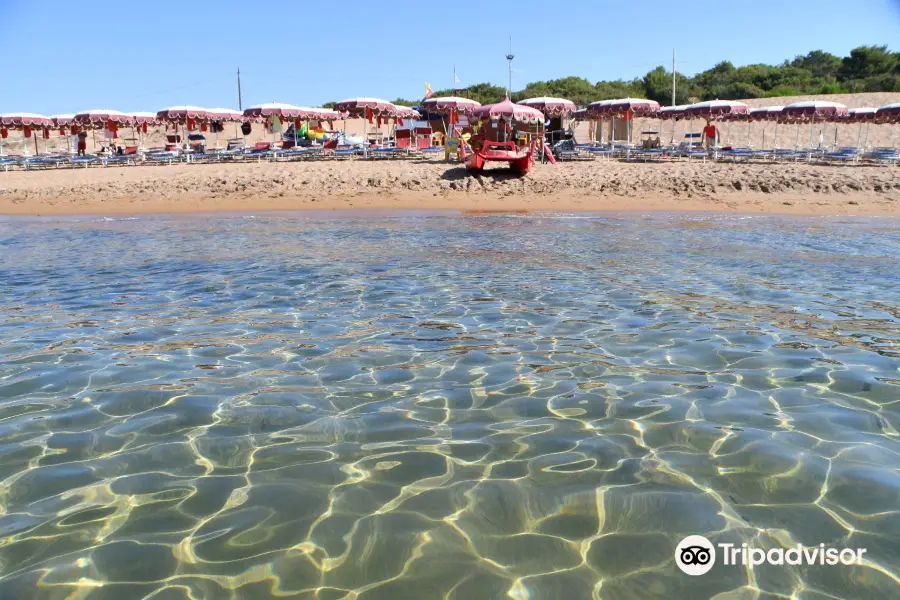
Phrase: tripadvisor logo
(696,555)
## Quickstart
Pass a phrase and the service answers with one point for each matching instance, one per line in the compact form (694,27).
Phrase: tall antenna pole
(240,99)
(673,75)
(510,58)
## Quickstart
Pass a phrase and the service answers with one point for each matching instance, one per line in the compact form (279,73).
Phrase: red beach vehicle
(509,133)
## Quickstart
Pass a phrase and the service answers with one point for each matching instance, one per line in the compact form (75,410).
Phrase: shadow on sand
(494,175)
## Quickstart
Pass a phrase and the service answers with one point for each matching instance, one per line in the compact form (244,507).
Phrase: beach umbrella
(861,116)
(888,114)
(507,111)
(61,122)
(369,108)
(442,105)
(142,120)
(716,109)
(627,108)
(812,111)
(674,114)
(182,115)
(551,107)
(766,113)
(276,110)
(595,111)
(225,115)
(451,106)
(108,120)
(26,122)
(406,113)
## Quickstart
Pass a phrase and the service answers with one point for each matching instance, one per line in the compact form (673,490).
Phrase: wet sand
(434,185)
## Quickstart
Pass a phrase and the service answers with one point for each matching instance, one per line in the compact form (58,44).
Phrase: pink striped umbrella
(765,113)
(287,112)
(595,109)
(405,112)
(326,114)
(180,114)
(508,111)
(858,115)
(100,117)
(811,112)
(814,110)
(716,108)
(637,107)
(63,120)
(888,114)
(358,107)
(225,114)
(444,104)
(26,122)
(20,120)
(672,113)
(144,118)
(551,107)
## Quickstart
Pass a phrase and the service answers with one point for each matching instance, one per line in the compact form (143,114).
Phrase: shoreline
(597,186)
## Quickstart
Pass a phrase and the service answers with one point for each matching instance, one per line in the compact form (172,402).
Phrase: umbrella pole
(749,129)
(858,135)
(36,151)
(866,140)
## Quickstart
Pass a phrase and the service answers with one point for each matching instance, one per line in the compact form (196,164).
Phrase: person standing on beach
(710,135)
(82,143)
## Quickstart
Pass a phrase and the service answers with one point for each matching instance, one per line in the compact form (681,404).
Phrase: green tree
(658,86)
(822,65)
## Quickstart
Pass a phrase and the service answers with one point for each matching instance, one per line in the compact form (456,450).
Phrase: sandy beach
(795,188)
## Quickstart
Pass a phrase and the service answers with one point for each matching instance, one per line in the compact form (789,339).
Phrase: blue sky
(67,56)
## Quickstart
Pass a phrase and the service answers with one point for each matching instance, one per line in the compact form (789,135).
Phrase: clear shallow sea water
(409,406)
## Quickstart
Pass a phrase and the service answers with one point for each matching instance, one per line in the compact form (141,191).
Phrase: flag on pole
(428,91)
(455,78)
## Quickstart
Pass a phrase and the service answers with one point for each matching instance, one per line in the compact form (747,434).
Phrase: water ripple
(445,407)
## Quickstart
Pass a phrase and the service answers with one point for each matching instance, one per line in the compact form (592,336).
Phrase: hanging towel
(62,131)
(27,131)
(191,124)
(75,129)
(144,127)
(275,124)
(204,127)
(369,114)
(46,133)
(4,133)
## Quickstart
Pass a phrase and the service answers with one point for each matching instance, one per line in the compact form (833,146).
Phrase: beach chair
(6,163)
(167,157)
(883,155)
(841,155)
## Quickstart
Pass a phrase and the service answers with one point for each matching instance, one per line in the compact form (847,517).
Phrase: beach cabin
(412,133)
